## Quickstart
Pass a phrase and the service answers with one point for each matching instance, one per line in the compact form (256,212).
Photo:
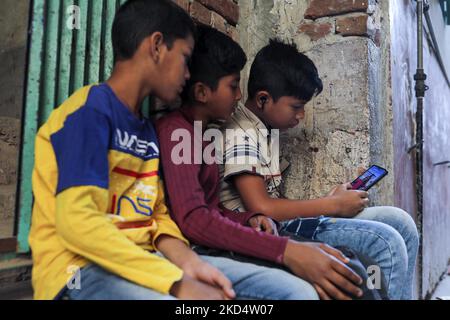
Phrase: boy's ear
(201,92)
(262,99)
(155,45)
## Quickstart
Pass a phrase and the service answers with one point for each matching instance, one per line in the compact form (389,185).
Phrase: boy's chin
(221,120)
(171,100)
(224,118)
(287,128)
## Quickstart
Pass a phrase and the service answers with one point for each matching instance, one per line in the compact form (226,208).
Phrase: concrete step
(15,279)
(7,210)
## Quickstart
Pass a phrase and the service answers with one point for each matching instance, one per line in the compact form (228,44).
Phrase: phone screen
(369,178)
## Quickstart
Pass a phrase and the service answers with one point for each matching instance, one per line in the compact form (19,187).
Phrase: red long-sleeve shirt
(193,198)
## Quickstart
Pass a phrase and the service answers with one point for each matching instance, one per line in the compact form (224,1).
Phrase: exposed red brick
(183,4)
(218,22)
(324,8)
(226,8)
(200,13)
(315,30)
(352,26)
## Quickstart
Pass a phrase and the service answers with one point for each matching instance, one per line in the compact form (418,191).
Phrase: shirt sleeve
(166,226)
(202,222)
(239,217)
(81,149)
(242,154)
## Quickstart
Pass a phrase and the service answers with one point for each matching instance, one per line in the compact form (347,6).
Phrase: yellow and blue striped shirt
(98,195)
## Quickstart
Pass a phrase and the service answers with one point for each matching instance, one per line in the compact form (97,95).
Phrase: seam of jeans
(252,296)
(377,235)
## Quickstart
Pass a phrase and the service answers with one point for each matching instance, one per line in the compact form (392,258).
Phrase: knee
(407,225)
(400,220)
(395,242)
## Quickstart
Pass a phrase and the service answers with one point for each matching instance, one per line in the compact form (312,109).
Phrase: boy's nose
(239,95)
(300,115)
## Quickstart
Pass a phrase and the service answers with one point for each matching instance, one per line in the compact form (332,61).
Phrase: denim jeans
(388,235)
(249,282)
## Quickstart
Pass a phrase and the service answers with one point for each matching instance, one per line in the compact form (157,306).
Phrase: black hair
(281,70)
(215,56)
(138,19)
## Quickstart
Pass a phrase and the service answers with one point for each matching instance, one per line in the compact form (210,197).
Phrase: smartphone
(369,178)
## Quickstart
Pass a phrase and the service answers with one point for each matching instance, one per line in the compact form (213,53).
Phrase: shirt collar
(253,118)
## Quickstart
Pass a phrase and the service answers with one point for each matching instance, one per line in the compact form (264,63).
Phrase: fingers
(268,226)
(254,223)
(363,194)
(275,230)
(335,253)
(224,283)
(342,283)
(361,170)
(333,292)
(346,272)
(322,294)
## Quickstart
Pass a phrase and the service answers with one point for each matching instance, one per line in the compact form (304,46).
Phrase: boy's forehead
(231,77)
(189,43)
(296,100)
(185,44)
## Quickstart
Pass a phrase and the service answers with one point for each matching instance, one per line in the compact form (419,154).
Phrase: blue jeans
(388,235)
(249,282)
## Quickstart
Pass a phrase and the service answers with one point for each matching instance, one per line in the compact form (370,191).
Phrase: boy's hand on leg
(191,289)
(324,267)
(194,268)
(262,223)
(202,271)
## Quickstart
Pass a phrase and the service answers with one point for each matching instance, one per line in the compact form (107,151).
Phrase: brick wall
(345,18)
(220,14)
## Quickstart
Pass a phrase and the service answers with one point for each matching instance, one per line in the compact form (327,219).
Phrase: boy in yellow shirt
(99,205)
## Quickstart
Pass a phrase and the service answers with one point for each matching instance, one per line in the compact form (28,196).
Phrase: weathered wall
(436,211)
(349,124)
(13,44)
(220,14)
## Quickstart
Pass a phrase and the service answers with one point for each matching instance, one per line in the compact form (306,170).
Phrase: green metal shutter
(60,61)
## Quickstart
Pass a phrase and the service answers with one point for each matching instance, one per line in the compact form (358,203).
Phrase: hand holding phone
(348,202)
(369,178)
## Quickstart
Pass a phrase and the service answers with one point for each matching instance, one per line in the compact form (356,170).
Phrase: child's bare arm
(344,203)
